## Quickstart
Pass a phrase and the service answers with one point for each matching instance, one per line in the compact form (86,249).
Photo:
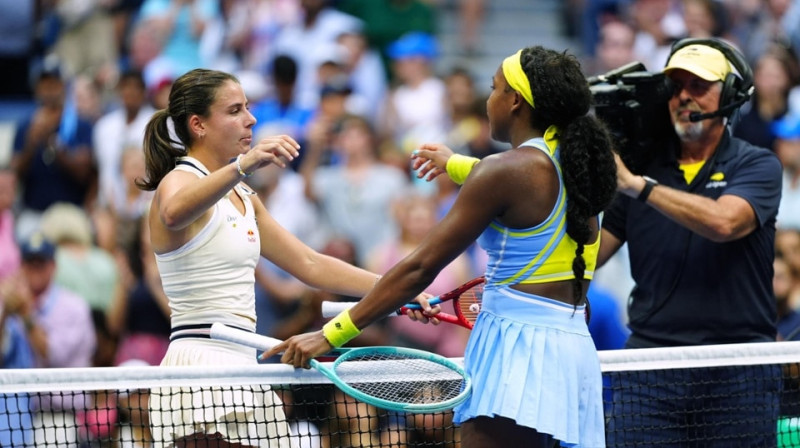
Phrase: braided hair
(587,162)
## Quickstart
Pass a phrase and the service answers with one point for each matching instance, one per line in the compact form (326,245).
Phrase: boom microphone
(697,116)
(722,111)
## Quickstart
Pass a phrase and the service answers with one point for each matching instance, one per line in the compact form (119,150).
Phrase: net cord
(104,378)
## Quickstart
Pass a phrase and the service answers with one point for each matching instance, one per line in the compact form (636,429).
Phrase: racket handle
(223,332)
(331,309)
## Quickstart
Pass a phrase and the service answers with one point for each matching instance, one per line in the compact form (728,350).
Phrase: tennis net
(108,407)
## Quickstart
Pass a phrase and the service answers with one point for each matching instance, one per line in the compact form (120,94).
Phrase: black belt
(202,331)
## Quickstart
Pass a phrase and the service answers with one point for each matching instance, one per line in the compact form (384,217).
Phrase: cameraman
(700,228)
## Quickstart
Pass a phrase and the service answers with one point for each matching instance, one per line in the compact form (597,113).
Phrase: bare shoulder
(516,165)
(175,180)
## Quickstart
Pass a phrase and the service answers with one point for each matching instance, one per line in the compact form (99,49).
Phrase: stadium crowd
(357,84)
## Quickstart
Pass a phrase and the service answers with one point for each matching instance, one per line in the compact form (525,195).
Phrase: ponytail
(589,171)
(160,151)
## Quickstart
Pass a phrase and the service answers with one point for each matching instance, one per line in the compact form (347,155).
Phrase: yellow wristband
(340,329)
(459,166)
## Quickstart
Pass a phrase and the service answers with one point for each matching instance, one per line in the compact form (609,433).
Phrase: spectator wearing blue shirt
(279,113)
(52,152)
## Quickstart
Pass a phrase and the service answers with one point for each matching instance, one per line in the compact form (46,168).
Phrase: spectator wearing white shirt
(120,129)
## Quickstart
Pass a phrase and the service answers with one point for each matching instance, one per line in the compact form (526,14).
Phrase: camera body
(632,103)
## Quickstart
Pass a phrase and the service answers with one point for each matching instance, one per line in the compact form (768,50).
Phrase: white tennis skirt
(249,415)
(532,359)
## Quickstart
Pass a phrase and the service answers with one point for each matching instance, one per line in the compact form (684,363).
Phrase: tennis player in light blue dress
(535,210)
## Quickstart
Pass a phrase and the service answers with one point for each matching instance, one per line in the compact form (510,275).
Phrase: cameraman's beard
(689,131)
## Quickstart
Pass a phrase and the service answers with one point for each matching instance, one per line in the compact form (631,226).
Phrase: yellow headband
(516,78)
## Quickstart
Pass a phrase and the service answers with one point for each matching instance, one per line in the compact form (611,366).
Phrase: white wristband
(239,167)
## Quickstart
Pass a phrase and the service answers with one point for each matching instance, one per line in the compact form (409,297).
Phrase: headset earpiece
(730,91)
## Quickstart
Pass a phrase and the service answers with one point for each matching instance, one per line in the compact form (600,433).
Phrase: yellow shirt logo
(718,176)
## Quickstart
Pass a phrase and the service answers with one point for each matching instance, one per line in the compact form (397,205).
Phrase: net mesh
(718,396)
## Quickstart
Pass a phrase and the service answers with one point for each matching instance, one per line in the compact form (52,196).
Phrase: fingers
(423,316)
(274,350)
(278,150)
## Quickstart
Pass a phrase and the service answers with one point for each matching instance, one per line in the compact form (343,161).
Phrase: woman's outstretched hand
(278,149)
(299,350)
(430,160)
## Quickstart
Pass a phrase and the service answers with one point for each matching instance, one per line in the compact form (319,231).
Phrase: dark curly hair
(562,98)
(191,94)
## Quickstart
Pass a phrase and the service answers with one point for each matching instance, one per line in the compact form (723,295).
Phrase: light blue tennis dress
(532,359)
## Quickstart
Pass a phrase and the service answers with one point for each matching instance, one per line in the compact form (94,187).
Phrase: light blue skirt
(531,359)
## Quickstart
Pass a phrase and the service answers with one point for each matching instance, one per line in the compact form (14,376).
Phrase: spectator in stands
(466,116)
(145,44)
(15,353)
(139,315)
(658,23)
(415,107)
(279,113)
(705,209)
(787,146)
(784,283)
(321,24)
(774,75)
(787,246)
(58,322)
(52,153)
(705,18)
(614,46)
(415,214)
(16,320)
(86,41)
(182,23)
(387,21)
(126,202)
(775,21)
(81,266)
(355,195)
(159,93)
(9,250)
(366,72)
(118,129)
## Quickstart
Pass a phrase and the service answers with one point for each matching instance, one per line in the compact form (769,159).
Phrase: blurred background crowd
(360,84)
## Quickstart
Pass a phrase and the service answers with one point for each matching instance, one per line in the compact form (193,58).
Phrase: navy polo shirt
(691,290)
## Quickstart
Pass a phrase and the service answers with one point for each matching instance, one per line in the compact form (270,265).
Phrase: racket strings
(402,378)
(469,303)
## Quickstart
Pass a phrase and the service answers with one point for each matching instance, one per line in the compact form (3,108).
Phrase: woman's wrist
(459,166)
(239,167)
(340,329)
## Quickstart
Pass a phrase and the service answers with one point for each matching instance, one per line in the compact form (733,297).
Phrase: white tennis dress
(211,279)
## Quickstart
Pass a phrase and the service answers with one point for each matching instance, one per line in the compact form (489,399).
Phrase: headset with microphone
(736,90)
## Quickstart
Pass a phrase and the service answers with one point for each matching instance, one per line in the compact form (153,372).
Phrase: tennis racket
(392,378)
(467,300)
